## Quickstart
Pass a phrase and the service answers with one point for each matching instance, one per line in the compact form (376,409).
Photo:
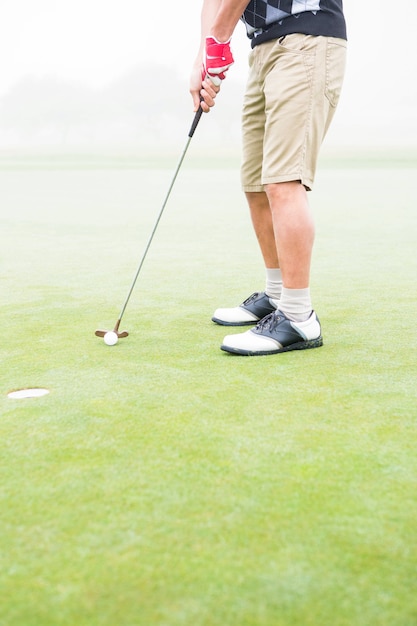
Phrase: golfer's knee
(283,192)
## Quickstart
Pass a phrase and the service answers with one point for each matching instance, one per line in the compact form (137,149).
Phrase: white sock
(296,304)
(273,286)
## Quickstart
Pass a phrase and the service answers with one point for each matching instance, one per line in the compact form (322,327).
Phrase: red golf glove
(218,59)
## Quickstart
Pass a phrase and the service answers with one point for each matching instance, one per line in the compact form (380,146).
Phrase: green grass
(166,483)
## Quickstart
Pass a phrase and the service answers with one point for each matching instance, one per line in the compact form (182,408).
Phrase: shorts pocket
(294,42)
(335,69)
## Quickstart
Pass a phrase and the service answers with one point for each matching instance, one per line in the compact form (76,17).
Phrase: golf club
(124,333)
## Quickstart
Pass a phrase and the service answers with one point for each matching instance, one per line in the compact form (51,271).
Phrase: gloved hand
(218,59)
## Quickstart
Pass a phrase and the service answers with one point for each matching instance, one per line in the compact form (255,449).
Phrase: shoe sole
(302,345)
(223,323)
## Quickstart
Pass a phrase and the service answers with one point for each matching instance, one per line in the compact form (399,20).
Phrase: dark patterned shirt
(271,19)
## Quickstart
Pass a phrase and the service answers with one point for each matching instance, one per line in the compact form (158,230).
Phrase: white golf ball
(111,338)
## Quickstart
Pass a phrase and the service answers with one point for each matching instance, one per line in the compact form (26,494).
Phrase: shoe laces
(269,322)
(251,298)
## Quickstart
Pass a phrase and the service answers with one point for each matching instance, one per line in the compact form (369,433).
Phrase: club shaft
(190,134)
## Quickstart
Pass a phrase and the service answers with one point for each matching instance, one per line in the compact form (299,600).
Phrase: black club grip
(196,119)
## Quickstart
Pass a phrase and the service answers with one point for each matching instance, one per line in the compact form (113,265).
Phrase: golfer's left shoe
(276,333)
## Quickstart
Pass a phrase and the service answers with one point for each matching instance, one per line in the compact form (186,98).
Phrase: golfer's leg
(261,216)
(293,227)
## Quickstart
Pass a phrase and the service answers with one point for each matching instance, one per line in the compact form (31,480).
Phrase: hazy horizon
(84,74)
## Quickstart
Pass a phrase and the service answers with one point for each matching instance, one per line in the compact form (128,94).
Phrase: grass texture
(163,482)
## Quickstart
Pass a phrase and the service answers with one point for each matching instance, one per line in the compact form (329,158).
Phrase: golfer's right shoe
(275,333)
(253,309)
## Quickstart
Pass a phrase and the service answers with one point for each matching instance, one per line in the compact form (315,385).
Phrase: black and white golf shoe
(275,333)
(253,309)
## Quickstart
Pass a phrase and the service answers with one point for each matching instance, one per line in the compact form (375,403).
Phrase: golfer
(296,69)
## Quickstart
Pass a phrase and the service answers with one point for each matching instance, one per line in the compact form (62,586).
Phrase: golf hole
(19,394)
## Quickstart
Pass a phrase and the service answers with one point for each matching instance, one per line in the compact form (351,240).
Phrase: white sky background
(94,42)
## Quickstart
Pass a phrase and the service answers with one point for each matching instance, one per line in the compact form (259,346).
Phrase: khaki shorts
(293,88)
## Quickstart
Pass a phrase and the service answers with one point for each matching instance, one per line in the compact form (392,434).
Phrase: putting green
(164,482)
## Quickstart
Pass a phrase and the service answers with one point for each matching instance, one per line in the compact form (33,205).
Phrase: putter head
(121,335)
